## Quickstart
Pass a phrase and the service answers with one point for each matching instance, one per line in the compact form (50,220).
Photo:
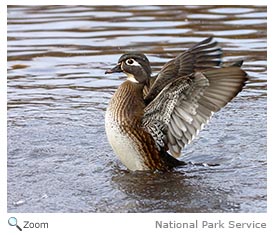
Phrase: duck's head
(135,65)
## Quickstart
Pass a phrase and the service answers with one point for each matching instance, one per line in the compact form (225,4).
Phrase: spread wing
(202,56)
(185,105)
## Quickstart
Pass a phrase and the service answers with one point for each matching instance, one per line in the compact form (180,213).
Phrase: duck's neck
(127,104)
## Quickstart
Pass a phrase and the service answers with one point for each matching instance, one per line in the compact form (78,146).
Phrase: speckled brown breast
(131,143)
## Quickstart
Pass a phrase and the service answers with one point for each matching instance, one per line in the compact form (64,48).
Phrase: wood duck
(150,119)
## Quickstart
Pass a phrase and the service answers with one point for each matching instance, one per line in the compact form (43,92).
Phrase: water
(58,156)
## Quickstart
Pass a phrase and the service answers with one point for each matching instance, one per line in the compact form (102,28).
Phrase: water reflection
(172,192)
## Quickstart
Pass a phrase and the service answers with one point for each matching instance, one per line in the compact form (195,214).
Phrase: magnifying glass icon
(13,222)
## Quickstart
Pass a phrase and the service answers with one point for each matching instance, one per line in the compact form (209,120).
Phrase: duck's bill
(116,69)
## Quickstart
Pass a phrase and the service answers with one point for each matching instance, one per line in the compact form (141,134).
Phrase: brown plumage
(130,119)
(150,119)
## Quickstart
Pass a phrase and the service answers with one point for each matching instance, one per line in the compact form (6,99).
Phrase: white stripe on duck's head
(135,65)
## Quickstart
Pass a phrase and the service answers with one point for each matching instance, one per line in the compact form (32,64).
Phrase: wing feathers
(175,130)
(204,55)
(201,96)
(182,101)
(183,114)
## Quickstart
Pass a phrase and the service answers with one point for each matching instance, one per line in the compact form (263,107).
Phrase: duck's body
(130,141)
(123,126)
(148,125)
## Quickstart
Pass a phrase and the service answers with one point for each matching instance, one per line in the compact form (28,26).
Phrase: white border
(135,223)
(3,113)
(137,2)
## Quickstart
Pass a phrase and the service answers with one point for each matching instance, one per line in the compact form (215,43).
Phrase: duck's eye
(129,61)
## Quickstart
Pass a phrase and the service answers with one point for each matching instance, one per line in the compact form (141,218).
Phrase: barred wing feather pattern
(184,106)
(204,55)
